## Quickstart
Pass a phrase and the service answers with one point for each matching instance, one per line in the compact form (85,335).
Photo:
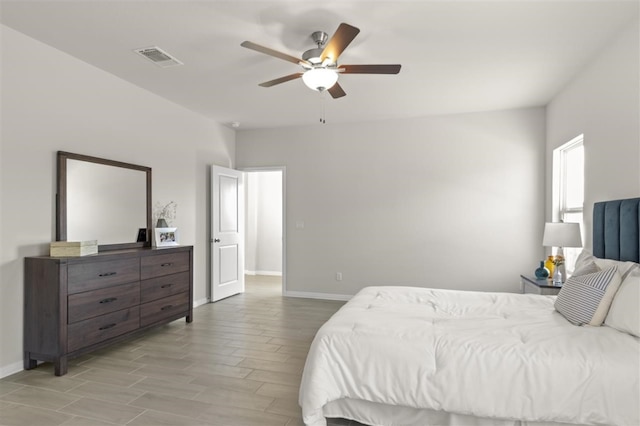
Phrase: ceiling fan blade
(336,91)
(271,52)
(281,80)
(370,69)
(340,40)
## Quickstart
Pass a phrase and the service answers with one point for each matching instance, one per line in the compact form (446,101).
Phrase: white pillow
(624,314)
(585,268)
(623,267)
(586,299)
(586,257)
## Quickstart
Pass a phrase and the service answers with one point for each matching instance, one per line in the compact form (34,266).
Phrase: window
(568,190)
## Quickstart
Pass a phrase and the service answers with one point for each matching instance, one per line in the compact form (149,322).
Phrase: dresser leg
(189,318)
(28,362)
(60,366)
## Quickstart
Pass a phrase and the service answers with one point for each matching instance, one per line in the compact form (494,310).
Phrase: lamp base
(559,272)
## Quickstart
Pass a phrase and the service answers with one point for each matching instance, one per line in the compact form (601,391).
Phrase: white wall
(603,103)
(51,102)
(263,239)
(449,201)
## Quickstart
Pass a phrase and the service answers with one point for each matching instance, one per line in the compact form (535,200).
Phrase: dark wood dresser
(74,305)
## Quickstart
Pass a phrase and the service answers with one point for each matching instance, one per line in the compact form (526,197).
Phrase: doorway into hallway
(265,254)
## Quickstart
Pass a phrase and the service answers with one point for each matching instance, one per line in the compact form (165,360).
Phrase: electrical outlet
(338,276)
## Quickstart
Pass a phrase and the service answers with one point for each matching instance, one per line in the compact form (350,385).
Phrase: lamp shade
(562,234)
(320,78)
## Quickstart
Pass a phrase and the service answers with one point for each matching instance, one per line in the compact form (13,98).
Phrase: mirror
(103,200)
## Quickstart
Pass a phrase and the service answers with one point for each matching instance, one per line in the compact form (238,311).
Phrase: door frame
(282,169)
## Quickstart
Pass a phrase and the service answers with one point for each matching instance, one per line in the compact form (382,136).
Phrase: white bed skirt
(374,414)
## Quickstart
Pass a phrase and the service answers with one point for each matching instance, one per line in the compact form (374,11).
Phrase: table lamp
(561,234)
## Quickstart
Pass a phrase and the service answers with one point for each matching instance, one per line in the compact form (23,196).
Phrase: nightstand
(534,286)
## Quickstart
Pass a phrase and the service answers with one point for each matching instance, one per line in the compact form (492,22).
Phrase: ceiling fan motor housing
(319,38)
(313,55)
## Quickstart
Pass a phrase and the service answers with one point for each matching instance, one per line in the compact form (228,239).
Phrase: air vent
(158,57)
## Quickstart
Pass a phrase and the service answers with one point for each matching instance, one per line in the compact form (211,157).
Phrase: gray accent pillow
(586,299)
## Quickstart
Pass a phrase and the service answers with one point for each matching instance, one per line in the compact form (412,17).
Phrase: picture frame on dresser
(166,237)
(142,235)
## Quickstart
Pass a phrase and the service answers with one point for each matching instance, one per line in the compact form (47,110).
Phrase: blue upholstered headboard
(616,229)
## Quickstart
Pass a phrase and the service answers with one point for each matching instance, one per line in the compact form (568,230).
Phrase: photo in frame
(166,237)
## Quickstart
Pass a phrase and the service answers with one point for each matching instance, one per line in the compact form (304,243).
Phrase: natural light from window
(568,190)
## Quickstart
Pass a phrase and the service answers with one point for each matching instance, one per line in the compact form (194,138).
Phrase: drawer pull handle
(105,327)
(164,308)
(166,286)
(166,264)
(107,274)
(109,300)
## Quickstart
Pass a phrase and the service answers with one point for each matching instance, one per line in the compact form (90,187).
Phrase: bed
(420,356)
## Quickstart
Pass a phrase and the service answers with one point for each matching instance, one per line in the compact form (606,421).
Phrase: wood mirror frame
(62,198)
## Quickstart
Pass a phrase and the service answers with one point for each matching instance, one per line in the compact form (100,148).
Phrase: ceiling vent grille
(158,57)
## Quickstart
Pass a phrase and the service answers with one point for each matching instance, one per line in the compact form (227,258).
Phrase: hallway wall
(263,239)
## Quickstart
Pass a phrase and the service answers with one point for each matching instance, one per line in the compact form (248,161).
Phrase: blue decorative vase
(542,273)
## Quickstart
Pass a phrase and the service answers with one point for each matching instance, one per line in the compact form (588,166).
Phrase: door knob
(217,240)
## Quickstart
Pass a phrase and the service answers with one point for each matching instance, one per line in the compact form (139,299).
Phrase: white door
(227,229)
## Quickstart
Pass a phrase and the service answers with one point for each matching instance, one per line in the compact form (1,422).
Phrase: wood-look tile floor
(238,363)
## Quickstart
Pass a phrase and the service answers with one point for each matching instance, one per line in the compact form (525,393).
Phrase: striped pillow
(586,299)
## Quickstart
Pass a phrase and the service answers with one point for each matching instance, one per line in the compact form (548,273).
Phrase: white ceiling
(456,56)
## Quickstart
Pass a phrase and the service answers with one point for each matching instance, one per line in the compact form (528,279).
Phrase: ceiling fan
(320,64)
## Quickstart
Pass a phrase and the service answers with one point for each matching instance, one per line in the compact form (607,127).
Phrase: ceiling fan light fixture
(320,79)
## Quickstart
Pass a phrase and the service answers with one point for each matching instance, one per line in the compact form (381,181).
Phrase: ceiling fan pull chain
(324,107)
(322,110)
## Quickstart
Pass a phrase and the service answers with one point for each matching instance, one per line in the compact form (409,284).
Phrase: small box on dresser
(74,305)
(73,248)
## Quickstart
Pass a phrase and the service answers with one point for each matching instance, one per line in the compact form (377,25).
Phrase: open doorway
(265,260)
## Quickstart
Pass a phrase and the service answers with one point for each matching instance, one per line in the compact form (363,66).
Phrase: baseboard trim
(270,273)
(200,302)
(323,296)
(10,369)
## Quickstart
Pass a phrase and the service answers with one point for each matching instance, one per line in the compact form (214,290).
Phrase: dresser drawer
(94,330)
(94,303)
(95,275)
(163,308)
(164,264)
(157,288)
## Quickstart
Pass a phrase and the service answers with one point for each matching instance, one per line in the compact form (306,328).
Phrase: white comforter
(494,355)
